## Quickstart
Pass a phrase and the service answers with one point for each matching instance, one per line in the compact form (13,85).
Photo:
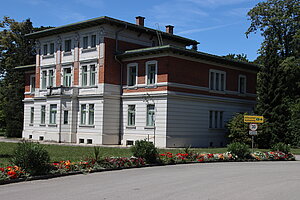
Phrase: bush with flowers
(11,172)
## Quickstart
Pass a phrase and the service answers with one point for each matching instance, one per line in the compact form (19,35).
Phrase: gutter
(121,82)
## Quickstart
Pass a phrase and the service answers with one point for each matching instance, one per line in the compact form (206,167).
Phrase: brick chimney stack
(139,20)
(169,29)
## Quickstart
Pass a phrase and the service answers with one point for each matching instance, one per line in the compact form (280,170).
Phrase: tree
(238,57)
(278,21)
(15,50)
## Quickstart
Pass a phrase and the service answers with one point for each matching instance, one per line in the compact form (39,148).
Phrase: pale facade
(105,81)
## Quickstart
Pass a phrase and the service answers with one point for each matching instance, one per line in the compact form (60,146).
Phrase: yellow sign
(253,119)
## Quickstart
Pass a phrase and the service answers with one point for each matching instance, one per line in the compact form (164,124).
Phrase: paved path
(213,181)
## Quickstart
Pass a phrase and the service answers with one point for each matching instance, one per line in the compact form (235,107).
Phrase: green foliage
(15,50)
(238,149)
(97,154)
(146,150)
(277,83)
(31,157)
(285,148)
(238,130)
(237,57)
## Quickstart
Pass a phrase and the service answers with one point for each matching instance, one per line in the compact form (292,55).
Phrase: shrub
(238,130)
(281,147)
(32,158)
(241,150)
(146,150)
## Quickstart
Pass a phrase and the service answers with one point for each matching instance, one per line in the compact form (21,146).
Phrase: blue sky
(219,25)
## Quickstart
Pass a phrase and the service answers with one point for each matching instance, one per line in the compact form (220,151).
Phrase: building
(106,81)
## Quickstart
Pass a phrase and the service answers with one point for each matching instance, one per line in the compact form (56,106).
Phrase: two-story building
(106,81)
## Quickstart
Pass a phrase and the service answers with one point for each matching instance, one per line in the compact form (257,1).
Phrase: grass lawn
(77,153)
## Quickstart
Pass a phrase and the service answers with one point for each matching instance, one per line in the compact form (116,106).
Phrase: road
(213,181)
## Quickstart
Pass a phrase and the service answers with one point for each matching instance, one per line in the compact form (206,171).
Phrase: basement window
(30,137)
(41,138)
(89,141)
(129,142)
(81,141)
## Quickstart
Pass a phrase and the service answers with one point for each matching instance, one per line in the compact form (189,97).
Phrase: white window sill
(68,53)
(88,49)
(52,125)
(151,86)
(88,87)
(130,127)
(48,56)
(217,91)
(149,127)
(132,87)
(87,126)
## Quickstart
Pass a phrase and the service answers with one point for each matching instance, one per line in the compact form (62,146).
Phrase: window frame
(153,115)
(129,66)
(43,114)
(44,79)
(215,119)
(89,74)
(65,45)
(245,84)
(64,79)
(131,114)
(215,80)
(151,62)
(52,121)
(93,39)
(87,115)
(31,115)
(32,83)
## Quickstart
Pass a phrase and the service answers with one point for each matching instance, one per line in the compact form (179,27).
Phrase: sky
(219,25)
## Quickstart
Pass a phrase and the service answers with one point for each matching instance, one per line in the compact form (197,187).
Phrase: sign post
(253,120)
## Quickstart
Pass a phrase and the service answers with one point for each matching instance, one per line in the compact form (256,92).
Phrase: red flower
(2,169)
(12,174)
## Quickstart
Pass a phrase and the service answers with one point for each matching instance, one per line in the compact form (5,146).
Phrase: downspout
(121,82)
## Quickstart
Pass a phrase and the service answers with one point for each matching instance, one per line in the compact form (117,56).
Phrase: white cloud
(215,3)
(197,30)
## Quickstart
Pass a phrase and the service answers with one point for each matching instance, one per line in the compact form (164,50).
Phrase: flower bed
(90,165)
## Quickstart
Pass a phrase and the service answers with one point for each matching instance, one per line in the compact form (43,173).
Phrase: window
(132,75)
(32,83)
(242,84)
(45,49)
(88,75)
(83,114)
(44,79)
(51,78)
(85,42)
(131,115)
(53,111)
(150,115)
(30,137)
(216,119)
(93,75)
(89,141)
(81,141)
(151,70)
(217,80)
(67,45)
(43,114)
(31,115)
(84,76)
(41,138)
(129,142)
(67,78)
(66,116)
(91,114)
(51,48)
(93,41)
(87,114)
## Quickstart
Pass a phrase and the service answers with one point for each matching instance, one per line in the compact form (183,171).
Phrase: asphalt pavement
(209,181)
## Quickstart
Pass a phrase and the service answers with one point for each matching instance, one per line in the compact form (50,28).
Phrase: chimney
(139,20)
(169,29)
